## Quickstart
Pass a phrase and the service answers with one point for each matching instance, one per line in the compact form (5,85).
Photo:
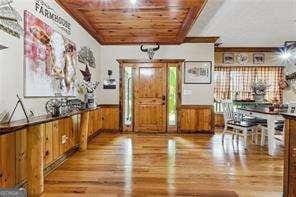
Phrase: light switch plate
(64,139)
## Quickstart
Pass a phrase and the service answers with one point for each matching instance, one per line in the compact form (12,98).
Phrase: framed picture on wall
(228,58)
(50,60)
(198,72)
(258,58)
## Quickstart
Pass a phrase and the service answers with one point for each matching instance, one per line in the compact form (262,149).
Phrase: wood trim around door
(123,63)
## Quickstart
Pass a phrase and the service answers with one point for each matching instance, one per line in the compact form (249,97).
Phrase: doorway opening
(150,95)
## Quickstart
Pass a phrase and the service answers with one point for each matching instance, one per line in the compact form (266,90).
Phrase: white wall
(11,59)
(200,94)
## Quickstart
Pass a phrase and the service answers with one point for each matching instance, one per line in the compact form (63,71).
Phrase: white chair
(238,128)
(280,133)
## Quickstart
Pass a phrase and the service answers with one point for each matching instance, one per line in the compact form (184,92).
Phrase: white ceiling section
(248,23)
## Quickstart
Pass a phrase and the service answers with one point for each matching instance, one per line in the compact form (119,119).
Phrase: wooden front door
(150,94)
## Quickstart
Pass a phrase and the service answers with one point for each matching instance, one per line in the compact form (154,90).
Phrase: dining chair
(279,128)
(236,125)
(279,132)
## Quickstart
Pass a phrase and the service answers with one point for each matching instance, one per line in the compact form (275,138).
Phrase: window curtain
(235,82)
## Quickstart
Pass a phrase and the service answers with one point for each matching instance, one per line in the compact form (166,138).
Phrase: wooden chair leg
(255,134)
(262,138)
(223,134)
(245,134)
(233,135)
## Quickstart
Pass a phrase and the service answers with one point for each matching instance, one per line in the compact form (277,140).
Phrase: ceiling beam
(191,18)
(205,39)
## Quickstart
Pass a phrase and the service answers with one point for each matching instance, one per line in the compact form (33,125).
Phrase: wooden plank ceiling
(135,21)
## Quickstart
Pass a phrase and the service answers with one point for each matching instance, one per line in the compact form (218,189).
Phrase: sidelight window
(172,96)
(128,95)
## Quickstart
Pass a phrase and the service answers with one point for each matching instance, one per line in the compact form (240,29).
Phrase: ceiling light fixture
(133,1)
(286,55)
(289,50)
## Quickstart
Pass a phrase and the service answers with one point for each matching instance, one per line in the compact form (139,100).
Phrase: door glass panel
(172,96)
(128,95)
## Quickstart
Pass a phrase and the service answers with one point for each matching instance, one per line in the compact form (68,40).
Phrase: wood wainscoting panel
(7,160)
(48,155)
(66,135)
(21,156)
(196,118)
(35,159)
(219,120)
(92,117)
(55,140)
(95,123)
(110,117)
(14,151)
(97,120)
(76,128)
(70,142)
(62,133)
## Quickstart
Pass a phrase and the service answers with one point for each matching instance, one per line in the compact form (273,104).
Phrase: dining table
(272,116)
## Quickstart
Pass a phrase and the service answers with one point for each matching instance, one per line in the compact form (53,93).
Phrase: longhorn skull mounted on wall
(150,51)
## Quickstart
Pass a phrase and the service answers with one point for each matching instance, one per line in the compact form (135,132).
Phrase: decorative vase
(259,98)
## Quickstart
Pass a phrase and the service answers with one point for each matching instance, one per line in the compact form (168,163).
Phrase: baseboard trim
(111,130)
(92,136)
(196,132)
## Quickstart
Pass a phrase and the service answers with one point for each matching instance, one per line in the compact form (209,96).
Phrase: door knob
(163,97)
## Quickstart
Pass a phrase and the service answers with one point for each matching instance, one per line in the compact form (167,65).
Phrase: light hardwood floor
(160,164)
